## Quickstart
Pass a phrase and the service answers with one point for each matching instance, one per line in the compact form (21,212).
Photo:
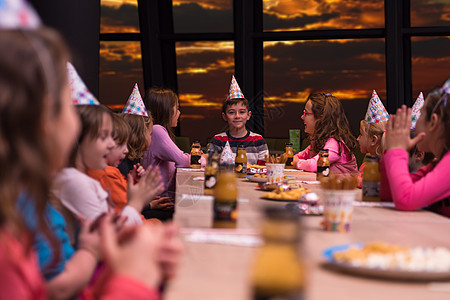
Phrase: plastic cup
(275,173)
(338,209)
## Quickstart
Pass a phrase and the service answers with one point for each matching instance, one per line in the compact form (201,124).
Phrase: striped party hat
(80,93)
(135,105)
(375,111)
(235,91)
(416,110)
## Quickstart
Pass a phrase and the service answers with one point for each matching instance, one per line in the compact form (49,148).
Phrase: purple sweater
(167,156)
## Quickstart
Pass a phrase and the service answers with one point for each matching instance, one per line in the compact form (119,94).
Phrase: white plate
(328,254)
(257,179)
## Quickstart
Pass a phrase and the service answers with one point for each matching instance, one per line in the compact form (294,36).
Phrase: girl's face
(117,154)
(421,126)
(148,136)
(363,140)
(94,150)
(175,115)
(308,118)
(65,128)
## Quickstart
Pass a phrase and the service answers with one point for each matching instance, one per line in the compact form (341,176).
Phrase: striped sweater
(255,145)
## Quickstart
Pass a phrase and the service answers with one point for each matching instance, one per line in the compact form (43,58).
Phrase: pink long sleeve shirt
(345,162)
(428,187)
(165,154)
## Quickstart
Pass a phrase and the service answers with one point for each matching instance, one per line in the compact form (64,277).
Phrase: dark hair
(121,130)
(160,103)
(91,117)
(437,102)
(234,101)
(32,76)
(137,141)
(427,156)
(331,122)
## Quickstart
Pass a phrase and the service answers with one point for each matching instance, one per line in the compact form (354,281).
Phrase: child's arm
(263,150)
(310,164)
(410,195)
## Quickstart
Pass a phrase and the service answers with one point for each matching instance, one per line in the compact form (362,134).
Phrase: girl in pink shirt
(430,185)
(328,127)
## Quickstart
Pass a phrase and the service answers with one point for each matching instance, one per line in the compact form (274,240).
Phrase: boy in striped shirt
(235,111)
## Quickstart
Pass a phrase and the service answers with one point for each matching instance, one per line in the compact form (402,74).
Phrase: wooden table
(216,271)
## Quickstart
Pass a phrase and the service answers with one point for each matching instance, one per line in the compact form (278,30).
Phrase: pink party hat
(446,87)
(226,158)
(235,91)
(416,110)
(18,14)
(80,93)
(375,111)
(135,105)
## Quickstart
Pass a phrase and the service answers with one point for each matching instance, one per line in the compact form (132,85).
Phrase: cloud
(123,18)
(186,18)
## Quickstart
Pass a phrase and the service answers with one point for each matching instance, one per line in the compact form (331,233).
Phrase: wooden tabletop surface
(213,270)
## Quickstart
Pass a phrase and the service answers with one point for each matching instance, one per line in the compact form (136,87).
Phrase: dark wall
(78,21)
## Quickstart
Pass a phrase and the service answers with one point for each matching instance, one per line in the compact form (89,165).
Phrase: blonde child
(81,195)
(429,186)
(39,147)
(328,128)
(163,152)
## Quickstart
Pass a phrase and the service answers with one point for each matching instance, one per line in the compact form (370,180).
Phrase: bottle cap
(289,144)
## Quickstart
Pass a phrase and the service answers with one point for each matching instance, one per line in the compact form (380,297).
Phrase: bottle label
(289,161)
(225,211)
(323,171)
(240,168)
(210,181)
(195,159)
(371,188)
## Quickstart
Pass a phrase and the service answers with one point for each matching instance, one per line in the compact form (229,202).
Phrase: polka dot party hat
(375,111)
(18,14)
(135,105)
(235,91)
(416,110)
(226,158)
(80,93)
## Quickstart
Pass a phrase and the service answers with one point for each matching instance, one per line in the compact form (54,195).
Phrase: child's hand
(162,203)
(170,251)
(398,130)
(146,189)
(137,172)
(295,160)
(137,256)
(88,239)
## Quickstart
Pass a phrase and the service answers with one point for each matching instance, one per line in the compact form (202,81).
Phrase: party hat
(135,105)
(375,111)
(416,110)
(80,93)
(235,91)
(446,87)
(16,14)
(227,155)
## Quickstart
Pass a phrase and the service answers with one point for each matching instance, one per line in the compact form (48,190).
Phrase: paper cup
(275,173)
(338,209)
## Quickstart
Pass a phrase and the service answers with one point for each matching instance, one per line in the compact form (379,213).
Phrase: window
(119,16)
(430,13)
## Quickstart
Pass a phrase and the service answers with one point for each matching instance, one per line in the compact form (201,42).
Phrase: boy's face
(236,115)
(117,154)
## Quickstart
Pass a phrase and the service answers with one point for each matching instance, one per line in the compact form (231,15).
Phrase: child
(163,152)
(327,125)
(135,114)
(235,111)
(417,158)
(429,186)
(371,131)
(38,92)
(79,194)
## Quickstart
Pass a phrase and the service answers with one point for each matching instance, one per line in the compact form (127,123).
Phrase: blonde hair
(377,129)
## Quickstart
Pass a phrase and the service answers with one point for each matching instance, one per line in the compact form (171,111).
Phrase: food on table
(286,195)
(260,175)
(385,256)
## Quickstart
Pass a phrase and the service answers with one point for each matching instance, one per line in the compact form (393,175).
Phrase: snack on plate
(256,169)
(286,195)
(379,255)
(260,175)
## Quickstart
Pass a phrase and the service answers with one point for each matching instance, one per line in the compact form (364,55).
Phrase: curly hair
(137,141)
(377,129)
(331,122)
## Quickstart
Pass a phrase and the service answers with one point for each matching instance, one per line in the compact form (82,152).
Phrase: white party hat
(416,110)
(80,93)
(235,91)
(375,111)
(135,105)
(227,155)
(16,14)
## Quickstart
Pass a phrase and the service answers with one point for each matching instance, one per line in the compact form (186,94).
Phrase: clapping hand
(398,130)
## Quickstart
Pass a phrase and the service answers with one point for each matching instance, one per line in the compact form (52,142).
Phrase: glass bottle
(290,156)
(371,179)
(240,162)
(211,170)
(323,164)
(196,155)
(278,271)
(225,200)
